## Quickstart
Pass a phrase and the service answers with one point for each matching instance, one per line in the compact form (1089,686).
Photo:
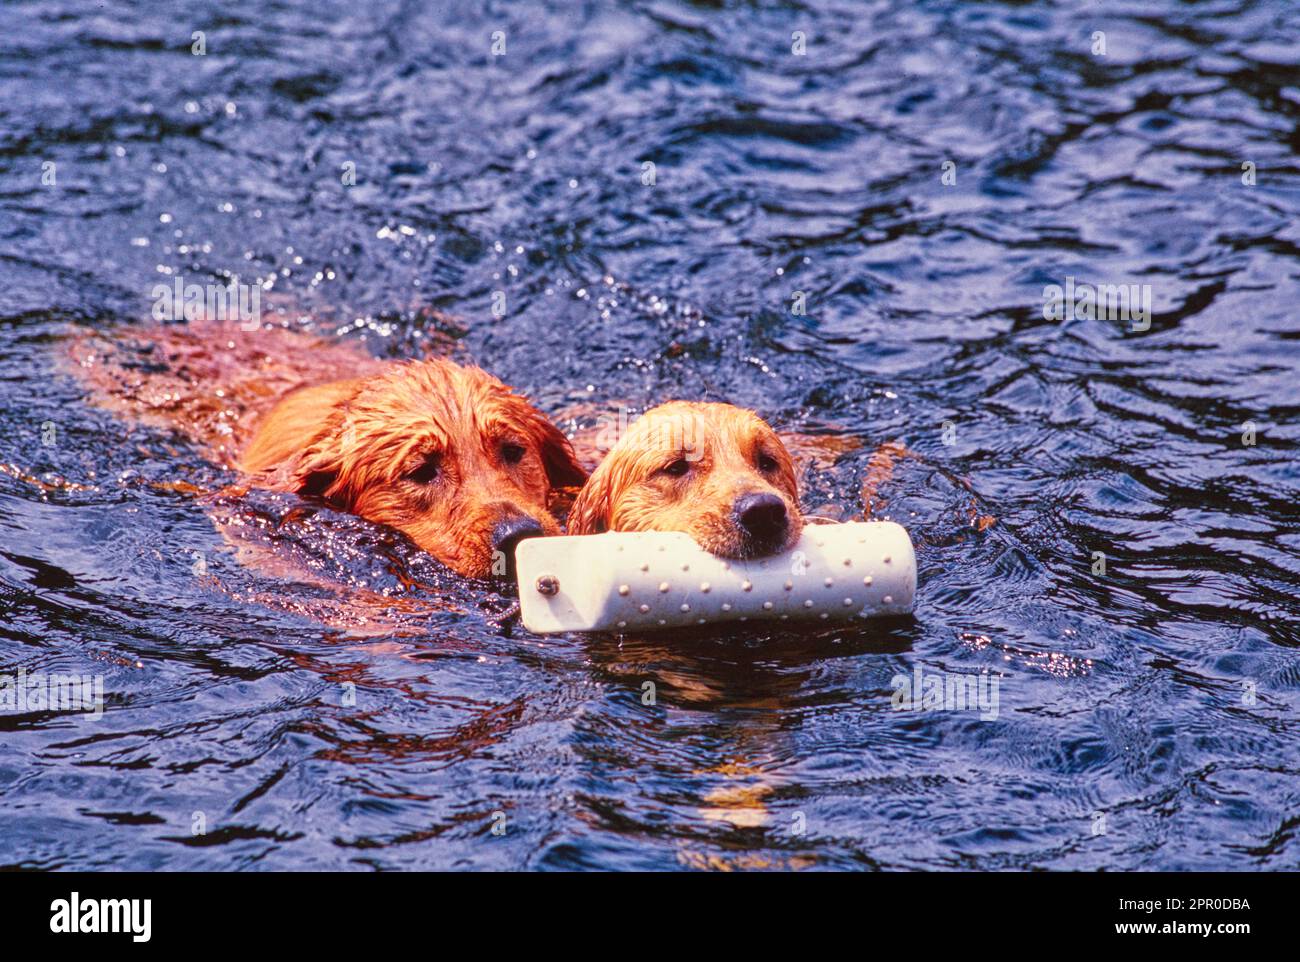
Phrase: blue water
(1148,717)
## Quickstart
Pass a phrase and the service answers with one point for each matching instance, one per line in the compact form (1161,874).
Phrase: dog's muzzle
(763,523)
(507,535)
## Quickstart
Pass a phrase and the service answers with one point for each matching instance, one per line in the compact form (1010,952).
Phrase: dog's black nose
(763,519)
(506,537)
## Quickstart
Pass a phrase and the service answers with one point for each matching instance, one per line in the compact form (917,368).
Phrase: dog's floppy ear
(562,467)
(300,446)
(590,511)
(314,472)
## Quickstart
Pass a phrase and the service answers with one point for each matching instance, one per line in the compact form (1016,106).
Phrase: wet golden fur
(441,451)
(729,453)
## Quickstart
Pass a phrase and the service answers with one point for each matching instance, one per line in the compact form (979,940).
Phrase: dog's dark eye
(427,471)
(677,468)
(512,453)
(766,463)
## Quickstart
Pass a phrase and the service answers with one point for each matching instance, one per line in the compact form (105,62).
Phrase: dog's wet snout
(763,519)
(508,533)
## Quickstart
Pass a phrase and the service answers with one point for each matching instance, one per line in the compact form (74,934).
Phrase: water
(1147,717)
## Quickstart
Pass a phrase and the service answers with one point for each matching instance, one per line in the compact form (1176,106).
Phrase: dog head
(717,472)
(445,453)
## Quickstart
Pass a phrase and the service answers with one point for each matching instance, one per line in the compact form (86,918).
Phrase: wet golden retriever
(444,452)
(715,471)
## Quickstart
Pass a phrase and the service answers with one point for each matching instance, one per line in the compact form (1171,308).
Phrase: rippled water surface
(1148,716)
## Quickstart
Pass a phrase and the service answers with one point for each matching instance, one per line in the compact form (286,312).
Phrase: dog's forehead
(687,426)
(441,405)
(470,427)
